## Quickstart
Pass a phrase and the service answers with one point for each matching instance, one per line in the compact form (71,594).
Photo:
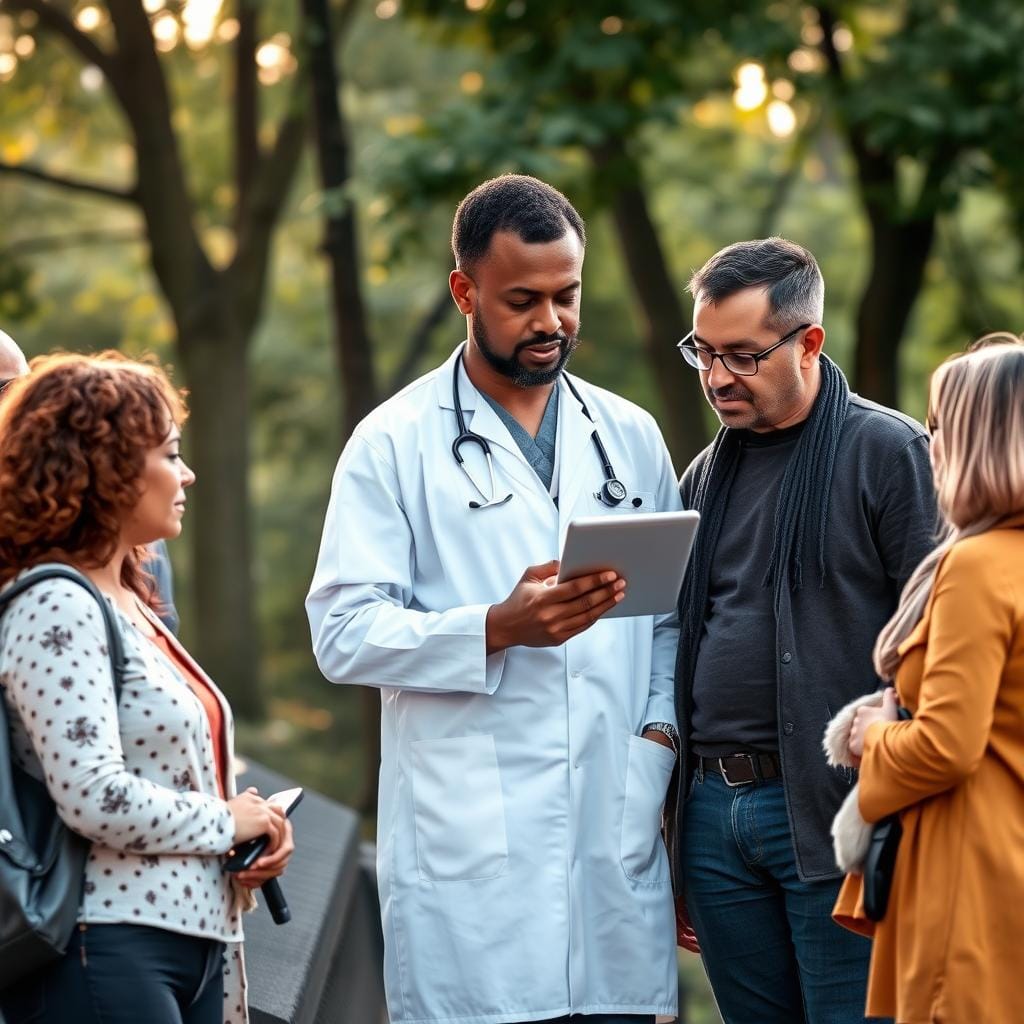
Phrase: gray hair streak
(785,270)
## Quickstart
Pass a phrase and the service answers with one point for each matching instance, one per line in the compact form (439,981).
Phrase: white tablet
(648,550)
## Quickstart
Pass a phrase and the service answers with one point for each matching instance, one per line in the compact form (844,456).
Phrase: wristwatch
(666,729)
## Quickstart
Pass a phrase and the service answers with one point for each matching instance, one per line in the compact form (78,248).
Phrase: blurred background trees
(212,287)
(262,192)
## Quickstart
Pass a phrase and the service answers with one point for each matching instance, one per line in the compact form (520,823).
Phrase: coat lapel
(510,465)
(228,736)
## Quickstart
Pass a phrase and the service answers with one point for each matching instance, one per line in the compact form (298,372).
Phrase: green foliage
(16,299)
(553,84)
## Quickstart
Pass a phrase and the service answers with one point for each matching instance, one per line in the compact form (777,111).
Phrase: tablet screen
(649,550)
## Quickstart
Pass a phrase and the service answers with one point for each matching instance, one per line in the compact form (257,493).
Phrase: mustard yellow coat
(951,946)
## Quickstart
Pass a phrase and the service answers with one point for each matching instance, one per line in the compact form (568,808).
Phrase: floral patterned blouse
(139,779)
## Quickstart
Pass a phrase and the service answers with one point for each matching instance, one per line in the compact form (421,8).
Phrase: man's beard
(761,414)
(514,370)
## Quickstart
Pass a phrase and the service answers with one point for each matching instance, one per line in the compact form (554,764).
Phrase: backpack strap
(115,642)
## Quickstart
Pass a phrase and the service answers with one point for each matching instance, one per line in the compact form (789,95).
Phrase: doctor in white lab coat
(521,868)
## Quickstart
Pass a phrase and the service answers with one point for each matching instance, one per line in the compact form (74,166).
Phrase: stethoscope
(612,493)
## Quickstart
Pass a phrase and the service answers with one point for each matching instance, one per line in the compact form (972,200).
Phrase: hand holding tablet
(649,550)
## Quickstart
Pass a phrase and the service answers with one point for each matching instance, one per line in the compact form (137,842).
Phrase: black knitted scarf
(801,512)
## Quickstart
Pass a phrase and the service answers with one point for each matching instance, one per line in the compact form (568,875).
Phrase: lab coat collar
(480,417)
(574,429)
(483,420)
(470,397)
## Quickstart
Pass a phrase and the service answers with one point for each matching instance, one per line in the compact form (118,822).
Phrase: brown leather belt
(743,769)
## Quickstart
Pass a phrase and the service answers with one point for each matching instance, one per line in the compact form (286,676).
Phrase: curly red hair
(74,435)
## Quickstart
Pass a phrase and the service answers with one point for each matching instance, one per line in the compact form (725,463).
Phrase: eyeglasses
(743,364)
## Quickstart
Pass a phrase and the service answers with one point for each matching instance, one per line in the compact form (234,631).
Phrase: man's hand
(685,935)
(657,736)
(867,716)
(543,613)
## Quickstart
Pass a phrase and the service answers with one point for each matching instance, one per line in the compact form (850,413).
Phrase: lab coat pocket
(635,501)
(648,771)
(459,809)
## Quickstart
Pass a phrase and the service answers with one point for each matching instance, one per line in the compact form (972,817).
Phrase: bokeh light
(751,87)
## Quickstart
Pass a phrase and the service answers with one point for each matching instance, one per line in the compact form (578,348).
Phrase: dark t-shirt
(735,695)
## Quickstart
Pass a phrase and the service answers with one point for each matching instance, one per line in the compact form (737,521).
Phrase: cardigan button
(788,728)
(5,836)
(786,657)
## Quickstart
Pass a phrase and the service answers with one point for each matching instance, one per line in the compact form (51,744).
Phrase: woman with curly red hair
(91,472)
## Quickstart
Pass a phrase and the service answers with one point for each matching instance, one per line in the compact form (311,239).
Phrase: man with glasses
(816,506)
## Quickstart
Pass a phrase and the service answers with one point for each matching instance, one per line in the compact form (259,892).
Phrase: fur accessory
(851,834)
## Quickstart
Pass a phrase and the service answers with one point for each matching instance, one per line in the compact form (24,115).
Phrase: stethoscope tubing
(612,492)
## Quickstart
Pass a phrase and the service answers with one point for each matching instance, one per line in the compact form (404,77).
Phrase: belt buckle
(742,782)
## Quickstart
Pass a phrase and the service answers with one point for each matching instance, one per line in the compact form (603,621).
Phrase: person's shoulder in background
(158,565)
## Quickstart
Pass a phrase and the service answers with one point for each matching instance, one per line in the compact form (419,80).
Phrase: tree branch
(827,20)
(246,106)
(62,25)
(56,20)
(783,184)
(837,74)
(420,339)
(58,243)
(271,184)
(70,184)
(876,170)
(343,20)
(179,261)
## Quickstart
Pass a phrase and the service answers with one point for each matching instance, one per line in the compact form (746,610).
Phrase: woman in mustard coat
(951,945)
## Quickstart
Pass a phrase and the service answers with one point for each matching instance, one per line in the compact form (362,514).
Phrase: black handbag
(42,862)
(880,862)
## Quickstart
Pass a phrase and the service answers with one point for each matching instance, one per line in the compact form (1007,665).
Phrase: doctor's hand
(685,934)
(543,613)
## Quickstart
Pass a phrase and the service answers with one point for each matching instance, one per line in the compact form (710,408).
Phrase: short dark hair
(787,271)
(531,209)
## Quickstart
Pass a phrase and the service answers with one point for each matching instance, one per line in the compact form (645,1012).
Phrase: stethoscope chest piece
(613,492)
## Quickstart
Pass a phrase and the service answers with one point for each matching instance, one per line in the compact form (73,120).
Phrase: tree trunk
(352,340)
(213,352)
(351,333)
(214,312)
(901,234)
(899,253)
(682,402)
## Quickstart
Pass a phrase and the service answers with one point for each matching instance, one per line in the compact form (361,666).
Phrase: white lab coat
(521,869)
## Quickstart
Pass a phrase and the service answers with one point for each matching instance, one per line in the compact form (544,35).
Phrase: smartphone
(243,856)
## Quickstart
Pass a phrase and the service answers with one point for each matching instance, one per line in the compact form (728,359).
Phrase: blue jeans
(770,948)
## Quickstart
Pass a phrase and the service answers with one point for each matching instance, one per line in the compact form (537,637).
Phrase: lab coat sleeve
(661,698)
(364,629)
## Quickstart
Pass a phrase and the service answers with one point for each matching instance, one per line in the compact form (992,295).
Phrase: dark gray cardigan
(882,522)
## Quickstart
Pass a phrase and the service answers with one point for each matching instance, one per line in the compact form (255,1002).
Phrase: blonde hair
(977,408)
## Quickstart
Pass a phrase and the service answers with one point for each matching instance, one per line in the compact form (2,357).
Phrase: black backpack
(42,862)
